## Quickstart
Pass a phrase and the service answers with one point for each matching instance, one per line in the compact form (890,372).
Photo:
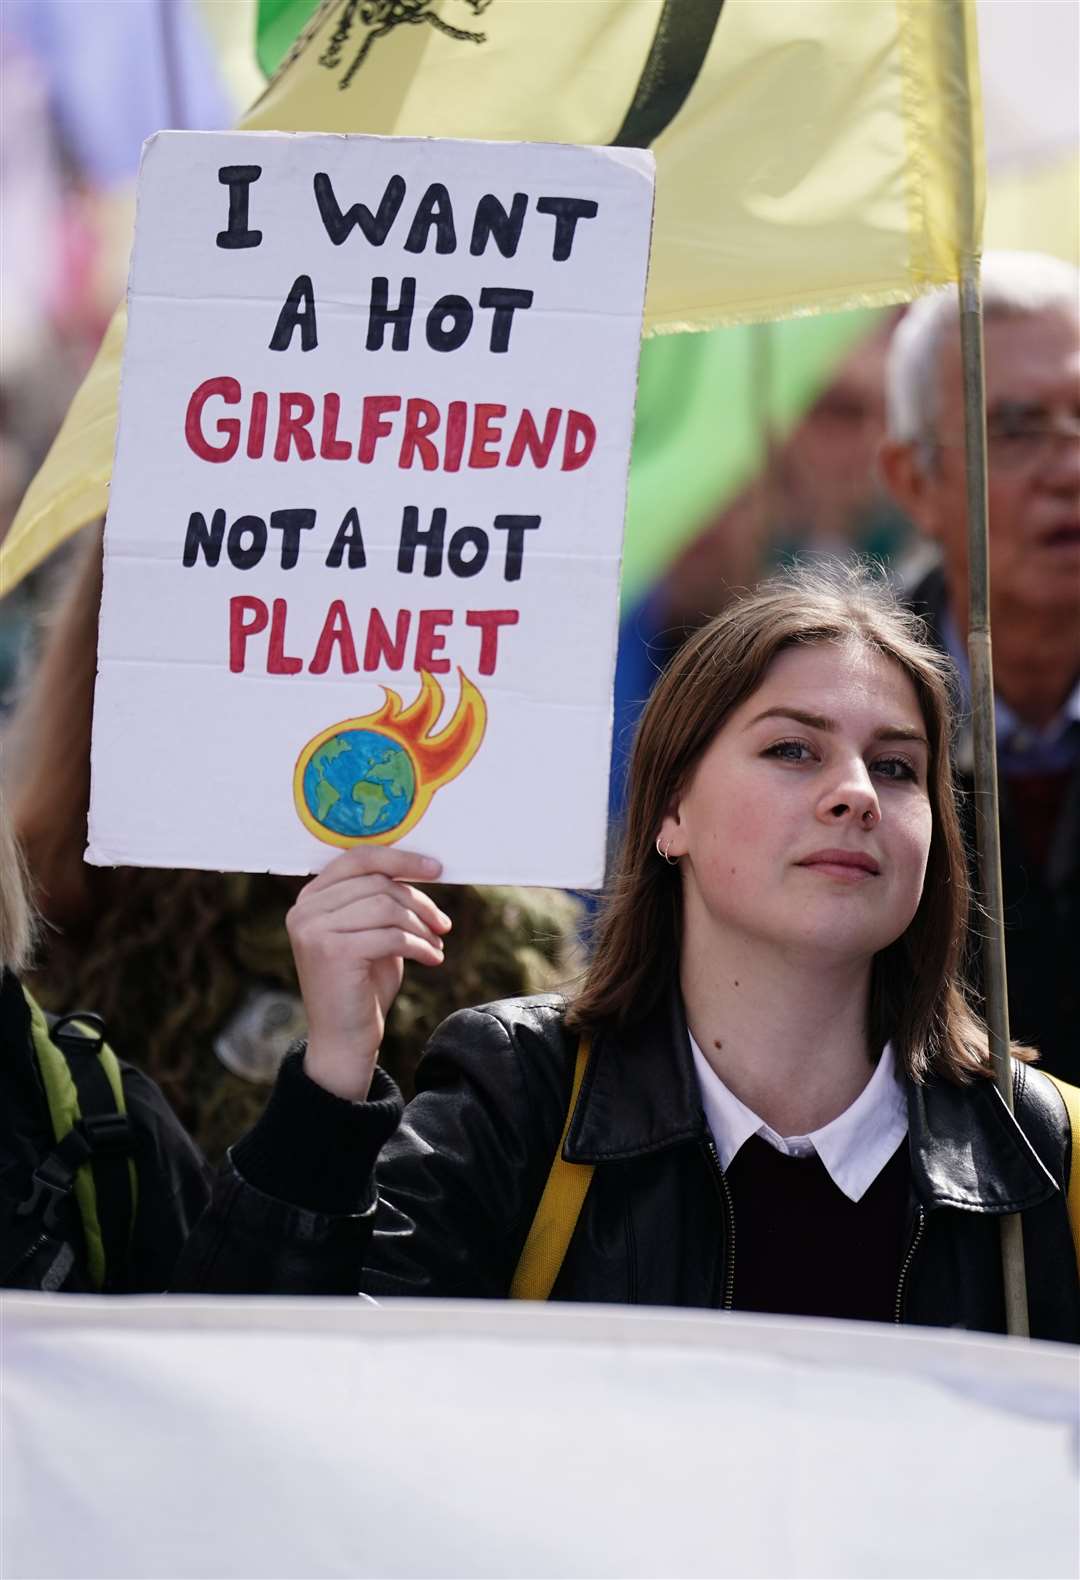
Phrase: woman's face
(807,822)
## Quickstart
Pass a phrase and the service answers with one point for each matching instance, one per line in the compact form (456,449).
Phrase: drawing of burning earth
(370,780)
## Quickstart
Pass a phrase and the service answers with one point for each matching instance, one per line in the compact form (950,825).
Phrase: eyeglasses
(1020,437)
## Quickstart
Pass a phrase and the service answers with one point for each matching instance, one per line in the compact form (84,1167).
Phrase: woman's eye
(895,768)
(790,751)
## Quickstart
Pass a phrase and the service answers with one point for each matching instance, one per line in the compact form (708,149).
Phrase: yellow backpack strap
(1071,1098)
(108,1243)
(557,1215)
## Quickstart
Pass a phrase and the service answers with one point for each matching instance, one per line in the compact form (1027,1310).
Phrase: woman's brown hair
(917,999)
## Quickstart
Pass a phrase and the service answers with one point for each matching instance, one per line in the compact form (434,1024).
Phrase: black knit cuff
(315,1150)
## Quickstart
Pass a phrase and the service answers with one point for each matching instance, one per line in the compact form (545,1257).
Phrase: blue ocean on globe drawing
(359,783)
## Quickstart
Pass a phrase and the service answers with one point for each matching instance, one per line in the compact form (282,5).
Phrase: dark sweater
(802,1247)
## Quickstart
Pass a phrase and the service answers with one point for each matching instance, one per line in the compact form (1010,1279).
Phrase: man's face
(1033,500)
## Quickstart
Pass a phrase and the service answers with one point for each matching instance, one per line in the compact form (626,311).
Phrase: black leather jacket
(459,1180)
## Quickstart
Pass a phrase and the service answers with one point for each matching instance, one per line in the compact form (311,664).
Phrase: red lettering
(277,660)
(526,437)
(331,448)
(256,438)
(485,433)
(372,424)
(456,418)
(336,628)
(247,617)
(378,649)
(421,417)
(489,622)
(578,426)
(295,411)
(430,641)
(228,427)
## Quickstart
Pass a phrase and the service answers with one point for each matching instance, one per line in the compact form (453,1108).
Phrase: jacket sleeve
(459,1182)
(329,1197)
(293,1205)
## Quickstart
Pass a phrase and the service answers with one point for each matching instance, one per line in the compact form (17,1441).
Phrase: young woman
(787,1104)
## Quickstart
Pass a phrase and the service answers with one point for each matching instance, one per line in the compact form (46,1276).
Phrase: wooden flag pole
(985,742)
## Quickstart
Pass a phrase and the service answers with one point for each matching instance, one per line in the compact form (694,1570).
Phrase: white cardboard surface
(199,764)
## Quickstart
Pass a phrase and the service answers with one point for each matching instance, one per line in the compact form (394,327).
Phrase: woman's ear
(672,836)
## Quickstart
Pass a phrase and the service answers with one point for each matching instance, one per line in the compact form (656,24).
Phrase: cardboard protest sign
(362,548)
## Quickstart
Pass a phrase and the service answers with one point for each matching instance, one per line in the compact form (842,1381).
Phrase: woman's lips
(854,865)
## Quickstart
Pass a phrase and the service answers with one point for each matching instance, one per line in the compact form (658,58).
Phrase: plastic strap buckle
(54,1178)
(109,1135)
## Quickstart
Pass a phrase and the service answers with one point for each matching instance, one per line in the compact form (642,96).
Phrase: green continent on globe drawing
(395,772)
(373,799)
(359,783)
(388,778)
(325,796)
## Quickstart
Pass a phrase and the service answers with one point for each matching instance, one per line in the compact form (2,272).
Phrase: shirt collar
(854,1147)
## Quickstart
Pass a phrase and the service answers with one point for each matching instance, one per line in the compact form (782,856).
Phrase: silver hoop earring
(672,861)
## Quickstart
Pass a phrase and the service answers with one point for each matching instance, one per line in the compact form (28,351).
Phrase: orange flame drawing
(402,765)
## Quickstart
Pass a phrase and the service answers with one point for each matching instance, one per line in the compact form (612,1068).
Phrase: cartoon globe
(359,783)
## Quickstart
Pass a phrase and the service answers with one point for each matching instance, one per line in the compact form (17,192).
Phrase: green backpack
(92,1157)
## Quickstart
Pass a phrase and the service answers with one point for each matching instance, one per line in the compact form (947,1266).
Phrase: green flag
(698,439)
(277,23)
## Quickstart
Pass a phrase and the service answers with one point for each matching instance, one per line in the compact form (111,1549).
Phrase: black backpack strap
(104,1133)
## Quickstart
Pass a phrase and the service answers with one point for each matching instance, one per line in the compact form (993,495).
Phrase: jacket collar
(640,1092)
(968,1151)
(640,1095)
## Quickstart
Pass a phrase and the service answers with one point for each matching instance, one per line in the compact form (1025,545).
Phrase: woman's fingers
(369,914)
(365,860)
(405,944)
(344,895)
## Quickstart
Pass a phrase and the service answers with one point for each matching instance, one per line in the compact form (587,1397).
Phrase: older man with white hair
(1032,337)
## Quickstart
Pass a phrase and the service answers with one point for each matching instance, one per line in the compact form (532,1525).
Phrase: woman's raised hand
(351,930)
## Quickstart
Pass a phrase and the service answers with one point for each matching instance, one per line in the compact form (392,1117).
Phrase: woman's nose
(851,798)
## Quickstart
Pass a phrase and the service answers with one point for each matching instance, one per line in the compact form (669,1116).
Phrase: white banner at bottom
(285,1438)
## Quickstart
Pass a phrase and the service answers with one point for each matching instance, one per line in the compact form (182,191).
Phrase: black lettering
(238,179)
(290,523)
(566,211)
(348,536)
(298,312)
(382,313)
(242,555)
(202,538)
(375,227)
(430,541)
(493,223)
(460,314)
(505,303)
(434,209)
(463,538)
(515,528)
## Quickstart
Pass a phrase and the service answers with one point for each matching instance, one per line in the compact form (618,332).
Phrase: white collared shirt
(854,1147)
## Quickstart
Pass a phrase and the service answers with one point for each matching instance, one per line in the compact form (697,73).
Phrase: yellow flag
(812,155)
